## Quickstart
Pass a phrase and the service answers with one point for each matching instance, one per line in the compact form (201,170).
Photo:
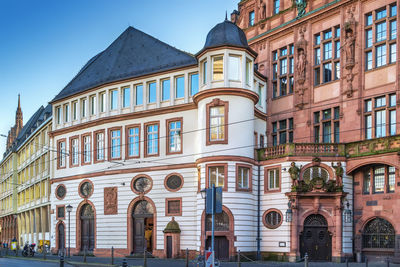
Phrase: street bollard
(387,262)
(124,263)
(366,262)
(347,262)
(112,255)
(62,261)
(187,257)
(238,259)
(306,260)
(144,259)
(84,255)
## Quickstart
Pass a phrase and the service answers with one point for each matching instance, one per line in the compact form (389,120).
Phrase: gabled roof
(132,54)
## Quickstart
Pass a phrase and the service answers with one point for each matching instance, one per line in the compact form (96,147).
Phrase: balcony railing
(373,146)
(302,149)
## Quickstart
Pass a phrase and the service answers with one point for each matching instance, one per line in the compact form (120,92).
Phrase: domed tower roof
(226,34)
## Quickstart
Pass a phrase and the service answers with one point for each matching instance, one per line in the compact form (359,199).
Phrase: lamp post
(347,213)
(203,193)
(69,209)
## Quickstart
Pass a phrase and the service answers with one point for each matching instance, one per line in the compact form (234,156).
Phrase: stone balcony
(349,150)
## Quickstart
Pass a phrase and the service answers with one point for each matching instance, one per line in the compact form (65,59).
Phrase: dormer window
(218,68)
(93,105)
(152,89)
(58,112)
(179,87)
(66,113)
(75,110)
(234,68)
(102,104)
(114,99)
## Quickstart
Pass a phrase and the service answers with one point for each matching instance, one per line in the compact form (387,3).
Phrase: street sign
(209,258)
(217,200)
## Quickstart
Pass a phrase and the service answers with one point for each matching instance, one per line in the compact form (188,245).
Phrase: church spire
(18,116)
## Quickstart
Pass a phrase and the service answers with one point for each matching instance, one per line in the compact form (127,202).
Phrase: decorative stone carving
(349,47)
(110,200)
(338,173)
(294,172)
(301,67)
(262,10)
(301,7)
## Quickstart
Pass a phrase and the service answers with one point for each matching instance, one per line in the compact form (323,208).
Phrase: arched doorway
(87,227)
(221,243)
(143,225)
(378,238)
(61,236)
(315,240)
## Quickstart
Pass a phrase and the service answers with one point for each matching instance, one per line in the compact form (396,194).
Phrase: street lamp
(69,209)
(289,212)
(347,213)
(203,193)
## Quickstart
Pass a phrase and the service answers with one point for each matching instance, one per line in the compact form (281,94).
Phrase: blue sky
(43,44)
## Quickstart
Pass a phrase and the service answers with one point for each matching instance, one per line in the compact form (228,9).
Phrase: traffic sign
(217,200)
(209,258)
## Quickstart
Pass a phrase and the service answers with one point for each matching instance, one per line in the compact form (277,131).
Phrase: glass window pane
(218,68)
(139,94)
(327,72)
(368,58)
(368,19)
(127,97)
(283,64)
(368,105)
(180,87)
(381,32)
(380,55)
(366,182)
(327,34)
(337,32)
(166,86)
(393,53)
(392,121)
(391,178)
(251,18)
(392,100)
(393,10)
(368,38)
(381,13)
(194,84)
(283,86)
(379,179)
(327,50)
(337,49)
(317,76)
(368,127)
(380,101)
(317,39)
(326,132)
(114,99)
(380,123)
(234,68)
(204,72)
(152,92)
(283,51)
(337,70)
(276,6)
(393,30)
(336,132)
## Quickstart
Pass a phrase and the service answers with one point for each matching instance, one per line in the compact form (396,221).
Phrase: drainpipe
(258,215)
(352,221)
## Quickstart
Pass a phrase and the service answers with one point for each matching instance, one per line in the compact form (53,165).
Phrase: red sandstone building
(332,68)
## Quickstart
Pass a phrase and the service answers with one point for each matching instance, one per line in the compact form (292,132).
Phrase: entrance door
(169,247)
(221,247)
(87,228)
(315,240)
(61,236)
(142,227)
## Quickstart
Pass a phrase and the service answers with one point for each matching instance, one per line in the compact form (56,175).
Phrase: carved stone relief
(301,68)
(110,200)
(349,47)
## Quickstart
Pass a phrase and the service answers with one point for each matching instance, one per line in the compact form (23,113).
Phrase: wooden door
(87,228)
(169,247)
(138,235)
(221,247)
(61,236)
(316,240)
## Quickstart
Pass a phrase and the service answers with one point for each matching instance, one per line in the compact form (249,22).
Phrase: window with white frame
(66,113)
(179,87)
(113,99)
(165,89)
(99,146)
(83,107)
(152,92)
(75,151)
(61,154)
(75,110)
(216,176)
(218,68)
(217,123)
(234,68)
(133,141)
(92,100)
(126,97)
(86,149)
(58,112)
(273,179)
(243,178)
(102,104)
(115,144)
(174,136)
(152,139)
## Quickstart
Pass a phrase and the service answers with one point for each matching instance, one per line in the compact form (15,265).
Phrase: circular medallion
(85,189)
(173,182)
(61,191)
(141,184)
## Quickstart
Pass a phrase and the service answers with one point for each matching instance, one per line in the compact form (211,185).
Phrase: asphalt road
(4,262)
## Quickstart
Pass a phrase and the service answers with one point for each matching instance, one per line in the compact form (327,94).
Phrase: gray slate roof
(133,54)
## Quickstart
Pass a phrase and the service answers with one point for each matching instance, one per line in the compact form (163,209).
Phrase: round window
(141,184)
(86,189)
(61,191)
(173,182)
(272,219)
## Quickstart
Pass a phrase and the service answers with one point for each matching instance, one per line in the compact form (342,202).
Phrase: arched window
(143,207)
(221,222)
(378,233)
(315,172)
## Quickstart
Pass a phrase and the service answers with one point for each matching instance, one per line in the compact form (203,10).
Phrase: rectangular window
(379,180)
(283,86)
(86,149)
(126,93)
(92,105)
(248,70)
(393,30)
(328,34)
(66,113)
(217,123)
(336,133)
(291,65)
(381,32)
(139,94)
(115,144)
(368,19)
(317,76)
(75,151)
(391,179)
(380,14)
(83,107)
(366,182)
(133,141)
(327,51)
(102,104)
(234,68)
(205,72)
(99,146)
(368,59)
(75,111)
(317,39)
(380,123)
(243,178)
(179,87)
(337,70)
(152,92)
(392,122)
(165,84)
(283,63)
(393,10)
(291,84)
(173,207)
(58,112)
(251,18)
(174,136)
(368,127)
(368,38)
(327,72)
(273,179)
(380,55)
(113,99)
(326,132)
(274,71)
(392,100)
(337,49)
(276,7)
(317,56)
(194,84)
(61,154)
(216,176)
(152,139)
(393,53)
(316,134)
